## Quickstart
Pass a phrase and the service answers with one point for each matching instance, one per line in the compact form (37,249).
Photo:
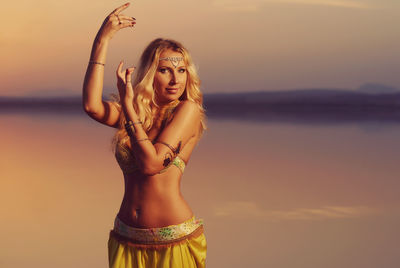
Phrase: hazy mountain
(50,93)
(375,88)
(311,105)
(302,104)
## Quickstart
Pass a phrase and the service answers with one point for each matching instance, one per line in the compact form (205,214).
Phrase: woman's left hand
(124,83)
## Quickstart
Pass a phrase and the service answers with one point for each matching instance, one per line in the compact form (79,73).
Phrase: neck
(162,112)
(165,105)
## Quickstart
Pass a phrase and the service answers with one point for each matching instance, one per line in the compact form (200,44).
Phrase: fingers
(120,19)
(125,21)
(119,9)
(123,17)
(120,74)
(128,89)
(129,71)
(128,24)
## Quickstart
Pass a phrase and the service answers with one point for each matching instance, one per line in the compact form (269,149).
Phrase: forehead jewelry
(173,60)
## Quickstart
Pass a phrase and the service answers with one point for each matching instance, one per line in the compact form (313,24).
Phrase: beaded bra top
(126,159)
(128,164)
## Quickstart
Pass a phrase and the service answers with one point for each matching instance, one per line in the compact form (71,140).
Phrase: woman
(159,119)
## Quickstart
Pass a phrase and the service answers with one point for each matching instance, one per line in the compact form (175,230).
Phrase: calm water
(275,194)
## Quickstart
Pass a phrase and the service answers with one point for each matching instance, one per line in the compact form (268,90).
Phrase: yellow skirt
(181,245)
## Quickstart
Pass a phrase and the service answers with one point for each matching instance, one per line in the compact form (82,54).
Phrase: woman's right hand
(124,83)
(114,22)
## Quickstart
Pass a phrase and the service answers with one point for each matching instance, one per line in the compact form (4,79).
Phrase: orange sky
(237,45)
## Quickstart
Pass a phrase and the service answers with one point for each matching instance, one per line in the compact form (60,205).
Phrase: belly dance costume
(181,245)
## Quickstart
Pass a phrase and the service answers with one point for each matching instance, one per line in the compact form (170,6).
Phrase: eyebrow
(163,66)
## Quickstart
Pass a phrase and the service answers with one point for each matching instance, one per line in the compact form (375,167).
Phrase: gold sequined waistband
(157,235)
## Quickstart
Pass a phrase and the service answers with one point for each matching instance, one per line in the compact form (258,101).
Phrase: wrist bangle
(130,130)
(95,62)
(130,123)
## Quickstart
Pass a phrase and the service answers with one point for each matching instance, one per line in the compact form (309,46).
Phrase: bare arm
(93,84)
(153,158)
(184,125)
(102,111)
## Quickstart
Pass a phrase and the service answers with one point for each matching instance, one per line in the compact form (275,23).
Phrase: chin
(173,97)
(167,97)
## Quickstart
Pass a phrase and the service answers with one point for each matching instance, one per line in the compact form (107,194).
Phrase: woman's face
(170,78)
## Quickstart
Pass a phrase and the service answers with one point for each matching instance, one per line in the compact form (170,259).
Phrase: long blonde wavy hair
(144,101)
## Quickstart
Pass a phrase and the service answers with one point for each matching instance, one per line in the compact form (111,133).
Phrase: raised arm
(183,126)
(93,104)
(152,158)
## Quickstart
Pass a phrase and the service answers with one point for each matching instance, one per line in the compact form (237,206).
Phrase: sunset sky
(237,45)
(296,192)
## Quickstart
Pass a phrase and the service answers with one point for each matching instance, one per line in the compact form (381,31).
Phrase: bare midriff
(154,201)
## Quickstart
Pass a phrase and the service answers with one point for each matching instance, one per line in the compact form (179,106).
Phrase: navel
(137,213)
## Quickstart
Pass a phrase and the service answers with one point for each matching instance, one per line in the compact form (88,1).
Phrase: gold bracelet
(175,151)
(130,123)
(130,130)
(95,62)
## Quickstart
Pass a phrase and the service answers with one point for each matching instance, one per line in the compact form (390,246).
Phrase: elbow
(88,106)
(88,109)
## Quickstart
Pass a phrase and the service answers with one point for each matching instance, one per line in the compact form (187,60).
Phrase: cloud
(239,209)
(254,5)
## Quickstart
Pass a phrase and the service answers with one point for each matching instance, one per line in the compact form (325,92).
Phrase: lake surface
(272,194)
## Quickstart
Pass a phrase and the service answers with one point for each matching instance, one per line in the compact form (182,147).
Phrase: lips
(172,90)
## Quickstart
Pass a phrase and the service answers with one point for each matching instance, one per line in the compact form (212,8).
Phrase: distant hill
(66,104)
(318,104)
(305,104)
(376,88)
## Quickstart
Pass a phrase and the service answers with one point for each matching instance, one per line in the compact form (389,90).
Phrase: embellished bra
(128,164)
(126,158)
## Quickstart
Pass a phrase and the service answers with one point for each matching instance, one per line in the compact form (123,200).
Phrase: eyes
(165,70)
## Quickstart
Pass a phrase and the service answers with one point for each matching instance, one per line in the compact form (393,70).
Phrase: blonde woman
(159,119)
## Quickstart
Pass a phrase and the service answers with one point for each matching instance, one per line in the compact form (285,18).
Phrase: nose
(173,80)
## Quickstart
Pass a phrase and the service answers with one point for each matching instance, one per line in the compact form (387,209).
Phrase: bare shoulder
(185,118)
(188,107)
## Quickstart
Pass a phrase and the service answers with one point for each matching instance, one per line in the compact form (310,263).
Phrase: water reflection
(272,194)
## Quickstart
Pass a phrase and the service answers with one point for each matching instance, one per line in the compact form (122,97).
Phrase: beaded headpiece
(173,60)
